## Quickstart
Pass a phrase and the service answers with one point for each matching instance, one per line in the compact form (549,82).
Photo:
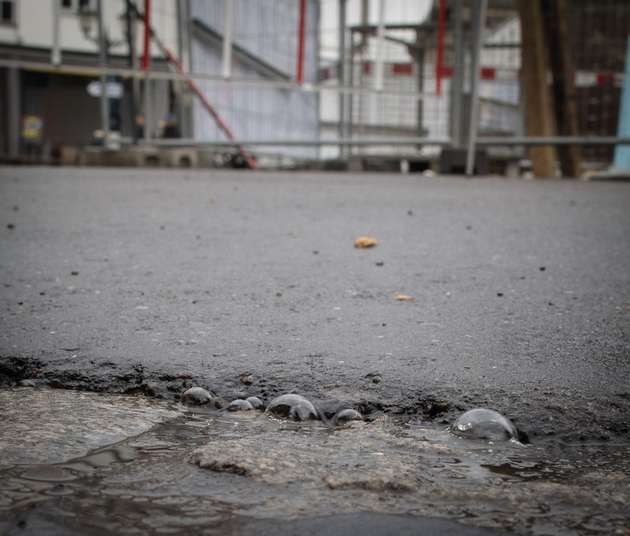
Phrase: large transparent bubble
(196,395)
(255,401)
(482,423)
(240,405)
(292,406)
(347,415)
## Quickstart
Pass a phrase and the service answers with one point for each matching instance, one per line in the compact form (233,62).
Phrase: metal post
(365,20)
(479,23)
(342,73)
(622,154)
(184,33)
(419,58)
(183,52)
(350,97)
(227,39)
(299,78)
(55,54)
(102,52)
(14,112)
(146,63)
(131,83)
(457,80)
(439,62)
(380,47)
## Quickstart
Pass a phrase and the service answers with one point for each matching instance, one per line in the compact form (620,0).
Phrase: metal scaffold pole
(342,74)
(55,53)
(299,77)
(146,62)
(228,25)
(102,52)
(479,23)
(457,82)
(131,85)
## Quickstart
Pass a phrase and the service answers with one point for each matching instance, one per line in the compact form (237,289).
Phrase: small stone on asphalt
(246,379)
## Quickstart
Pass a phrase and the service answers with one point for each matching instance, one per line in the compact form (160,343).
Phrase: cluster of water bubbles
(478,423)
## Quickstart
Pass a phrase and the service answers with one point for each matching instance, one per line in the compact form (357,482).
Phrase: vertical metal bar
(299,78)
(342,74)
(457,80)
(102,53)
(183,33)
(55,54)
(350,101)
(365,20)
(147,107)
(439,62)
(14,112)
(146,62)
(479,23)
(185,53)
(419,55)
(380,47)
(146,54)
(131,86)
(227,38)
(622,153)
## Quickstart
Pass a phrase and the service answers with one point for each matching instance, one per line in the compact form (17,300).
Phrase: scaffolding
(452,83)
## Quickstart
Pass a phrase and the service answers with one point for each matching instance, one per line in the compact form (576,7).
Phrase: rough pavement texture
(521,289)
(54,425)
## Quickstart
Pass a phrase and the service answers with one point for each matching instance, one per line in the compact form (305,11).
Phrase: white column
(227,39)
(380,47)
(55,53)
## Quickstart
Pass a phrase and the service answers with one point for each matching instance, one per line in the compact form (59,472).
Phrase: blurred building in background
(66,106)
(315,80)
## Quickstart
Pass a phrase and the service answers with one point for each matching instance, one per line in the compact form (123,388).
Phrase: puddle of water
(53,425)
(260,472)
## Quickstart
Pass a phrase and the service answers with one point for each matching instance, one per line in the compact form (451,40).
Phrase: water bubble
(347,415)
(482,423)
(294,407)
(240,405)
(196,395)
(255,401)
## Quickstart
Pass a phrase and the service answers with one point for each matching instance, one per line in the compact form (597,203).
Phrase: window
(7,12)
(78,6)
(87,5)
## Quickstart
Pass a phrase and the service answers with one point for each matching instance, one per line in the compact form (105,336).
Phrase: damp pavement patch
(54,425)
(284,477)
(364,523)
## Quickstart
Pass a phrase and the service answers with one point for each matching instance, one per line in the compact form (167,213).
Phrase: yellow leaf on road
(364,242)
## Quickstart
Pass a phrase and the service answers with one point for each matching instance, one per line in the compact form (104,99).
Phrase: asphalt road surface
(521,289)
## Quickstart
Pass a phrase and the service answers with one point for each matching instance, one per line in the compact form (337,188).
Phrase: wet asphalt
(521,289)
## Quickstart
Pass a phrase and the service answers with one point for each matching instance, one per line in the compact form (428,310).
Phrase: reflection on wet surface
(249,467)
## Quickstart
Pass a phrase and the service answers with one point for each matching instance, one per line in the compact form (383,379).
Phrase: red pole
(300,51)
(439,62)
(146,56)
